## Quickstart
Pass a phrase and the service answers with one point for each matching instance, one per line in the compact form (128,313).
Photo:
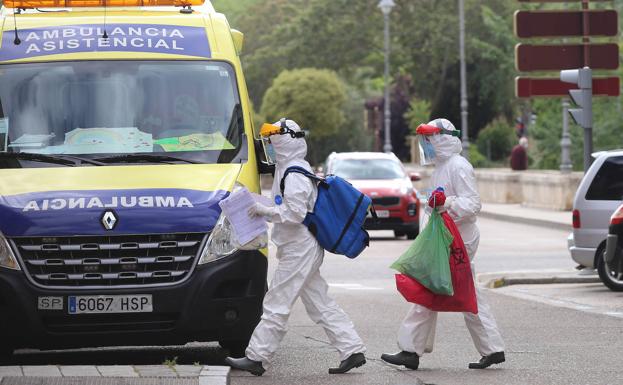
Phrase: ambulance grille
(109,261)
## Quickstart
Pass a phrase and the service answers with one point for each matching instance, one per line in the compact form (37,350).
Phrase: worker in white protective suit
(298,271)
(456,175)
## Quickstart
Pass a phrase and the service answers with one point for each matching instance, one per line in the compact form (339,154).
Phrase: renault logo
(109,220)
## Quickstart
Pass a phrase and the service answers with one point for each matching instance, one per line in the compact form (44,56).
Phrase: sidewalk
(530,216)
(115,375)
(517,213)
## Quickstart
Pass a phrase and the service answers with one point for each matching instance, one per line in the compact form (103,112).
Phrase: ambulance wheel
(235,348)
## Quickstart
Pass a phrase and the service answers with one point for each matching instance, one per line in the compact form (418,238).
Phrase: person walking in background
(456,176)
(519,155)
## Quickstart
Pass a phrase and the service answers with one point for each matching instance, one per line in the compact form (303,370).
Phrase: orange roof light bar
(27,4)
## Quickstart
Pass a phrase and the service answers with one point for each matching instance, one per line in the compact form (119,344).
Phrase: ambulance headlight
(221,242)
(7,258)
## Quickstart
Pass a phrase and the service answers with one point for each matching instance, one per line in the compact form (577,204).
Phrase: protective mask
(269,151)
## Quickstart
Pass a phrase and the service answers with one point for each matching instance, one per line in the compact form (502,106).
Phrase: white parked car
(599,195)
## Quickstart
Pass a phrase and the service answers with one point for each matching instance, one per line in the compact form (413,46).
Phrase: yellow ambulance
(123,124)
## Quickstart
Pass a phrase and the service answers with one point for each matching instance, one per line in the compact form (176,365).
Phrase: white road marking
(354,286)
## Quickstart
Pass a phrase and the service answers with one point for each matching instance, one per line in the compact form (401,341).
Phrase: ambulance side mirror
(263,167)
(266,169)
(238,38)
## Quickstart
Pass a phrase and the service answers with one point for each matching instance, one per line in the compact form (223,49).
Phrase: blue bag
(339,214)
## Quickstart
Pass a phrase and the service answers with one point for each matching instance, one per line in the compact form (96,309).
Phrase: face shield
(424,132)
(269,130)
(427,151)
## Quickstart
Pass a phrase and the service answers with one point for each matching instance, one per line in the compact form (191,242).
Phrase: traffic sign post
(582,23)
(583,98)
(527,87)
(530,24)
(556,57)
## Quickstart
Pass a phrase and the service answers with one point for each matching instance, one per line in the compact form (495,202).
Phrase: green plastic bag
(427,259)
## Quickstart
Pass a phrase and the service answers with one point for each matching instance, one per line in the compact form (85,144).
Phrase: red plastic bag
(464,298)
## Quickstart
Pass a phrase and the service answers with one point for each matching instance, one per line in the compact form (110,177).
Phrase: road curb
(526,221)
(113,375)
(494,282)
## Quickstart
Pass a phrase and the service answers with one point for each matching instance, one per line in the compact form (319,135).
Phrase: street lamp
(464,103)
(386,7)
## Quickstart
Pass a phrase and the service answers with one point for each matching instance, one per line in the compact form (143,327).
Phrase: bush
(476,158)
(315,99)
(496,140)
(419,112)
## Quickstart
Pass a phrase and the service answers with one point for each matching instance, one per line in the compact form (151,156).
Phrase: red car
(383,178)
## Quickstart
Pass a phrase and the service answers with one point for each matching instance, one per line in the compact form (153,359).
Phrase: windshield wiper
(130,158)
(67,160)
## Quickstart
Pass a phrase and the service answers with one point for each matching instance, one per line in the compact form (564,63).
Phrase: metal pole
(565,143)
(588,131)
(464,102)
(585,29)
(387,147)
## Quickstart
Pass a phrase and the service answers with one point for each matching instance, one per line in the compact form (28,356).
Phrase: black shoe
(354,361)
(253,367)
(486,361)
(409,360)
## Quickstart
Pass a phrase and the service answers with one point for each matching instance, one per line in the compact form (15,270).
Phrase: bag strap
(374,215)
(348,223)
(298,170)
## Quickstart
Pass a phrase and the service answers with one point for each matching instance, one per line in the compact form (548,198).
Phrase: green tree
(315,99)
(419,112)
(426,46)
(233,9)
(340,35)
(547,132)
(496,140)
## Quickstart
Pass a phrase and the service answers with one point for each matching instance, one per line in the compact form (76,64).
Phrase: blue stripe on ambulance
(144,211)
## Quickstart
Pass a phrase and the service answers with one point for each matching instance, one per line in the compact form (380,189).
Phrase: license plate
(382,213)
(98,304)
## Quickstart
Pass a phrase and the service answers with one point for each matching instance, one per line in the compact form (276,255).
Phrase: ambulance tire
(235,348)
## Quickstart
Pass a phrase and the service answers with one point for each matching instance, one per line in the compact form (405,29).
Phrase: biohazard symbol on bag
(464,298)
(458,256)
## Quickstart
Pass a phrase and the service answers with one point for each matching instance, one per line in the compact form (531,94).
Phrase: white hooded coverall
(300,257)
(456,175)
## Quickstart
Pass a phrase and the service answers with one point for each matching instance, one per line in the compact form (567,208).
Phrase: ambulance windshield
(189,110)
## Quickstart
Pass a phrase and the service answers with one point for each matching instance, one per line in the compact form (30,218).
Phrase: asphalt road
(546,344)
(548,341)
